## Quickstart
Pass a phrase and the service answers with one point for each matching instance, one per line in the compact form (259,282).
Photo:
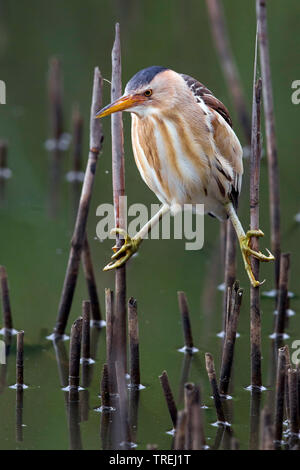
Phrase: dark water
(34,247)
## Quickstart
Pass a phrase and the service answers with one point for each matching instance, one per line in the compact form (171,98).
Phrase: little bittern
(186,151)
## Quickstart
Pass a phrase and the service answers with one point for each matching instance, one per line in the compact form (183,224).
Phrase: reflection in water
(185,371)
(19,414)
(74,426)
(255,419)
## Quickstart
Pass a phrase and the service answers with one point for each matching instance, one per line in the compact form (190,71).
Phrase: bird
(186,152)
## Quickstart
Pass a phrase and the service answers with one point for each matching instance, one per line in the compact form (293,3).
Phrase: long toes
(122,250)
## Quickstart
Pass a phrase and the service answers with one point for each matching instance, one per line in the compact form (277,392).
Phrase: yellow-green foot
(122,255)
(247,252)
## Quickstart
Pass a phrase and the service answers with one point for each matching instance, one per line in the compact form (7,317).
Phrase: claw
(121,255)
(247,251)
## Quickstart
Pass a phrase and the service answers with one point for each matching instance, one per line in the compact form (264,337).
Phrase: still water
(34,246)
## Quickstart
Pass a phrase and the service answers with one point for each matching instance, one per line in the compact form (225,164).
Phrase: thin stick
(110,328)
(230,337)
(7,316)
(282,298)
(228,64)
(288,366)
(133,329)
(293,393)
(86,349)
(186,323)
(180,431)
(189,399)
(164,380)
(261,13)
(118,174)
(91,282)
(280,392)
(105,395)
(20,359)
(74,361)
(255,316)
(210,367)
(96,139)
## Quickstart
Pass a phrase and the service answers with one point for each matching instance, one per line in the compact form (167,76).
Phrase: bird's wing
(202,93)
(229,161)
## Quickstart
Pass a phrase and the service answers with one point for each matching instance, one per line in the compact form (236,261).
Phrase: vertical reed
(210,367)
(105,395)
(7,316)
(20,360)
(96,139)
(133,329)
(118,175)
(164,380)
(186,323)
(91,283)
(179,443)
(86,343)
(293,395)
(261,13)
(74,361)
(255,316)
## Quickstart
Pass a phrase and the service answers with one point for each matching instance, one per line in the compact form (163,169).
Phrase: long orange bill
(121,104)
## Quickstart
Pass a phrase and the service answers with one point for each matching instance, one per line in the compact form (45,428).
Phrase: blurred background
(34,244)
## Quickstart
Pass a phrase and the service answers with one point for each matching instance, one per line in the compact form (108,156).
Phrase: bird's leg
(244,241)
(131,245)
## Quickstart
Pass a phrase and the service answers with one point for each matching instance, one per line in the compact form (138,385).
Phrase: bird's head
(148,91)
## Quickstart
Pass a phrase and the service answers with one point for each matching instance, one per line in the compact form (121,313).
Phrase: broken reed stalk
(282,298)
(20,360)
(110,341)
(133,330)
(186,322)
(7,316)
(228,64)
(280,392)
(105,395)
(230,337)
(118,180)
(19,414)
(230,266)
(96,139)
(164,380)
(77,122)
(210,367)
(179,442)
(273,173)
(86,337)
(74,361)
(91,282)
(293,395)
(255,315)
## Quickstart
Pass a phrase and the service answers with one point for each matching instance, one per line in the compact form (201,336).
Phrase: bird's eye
(148,93)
